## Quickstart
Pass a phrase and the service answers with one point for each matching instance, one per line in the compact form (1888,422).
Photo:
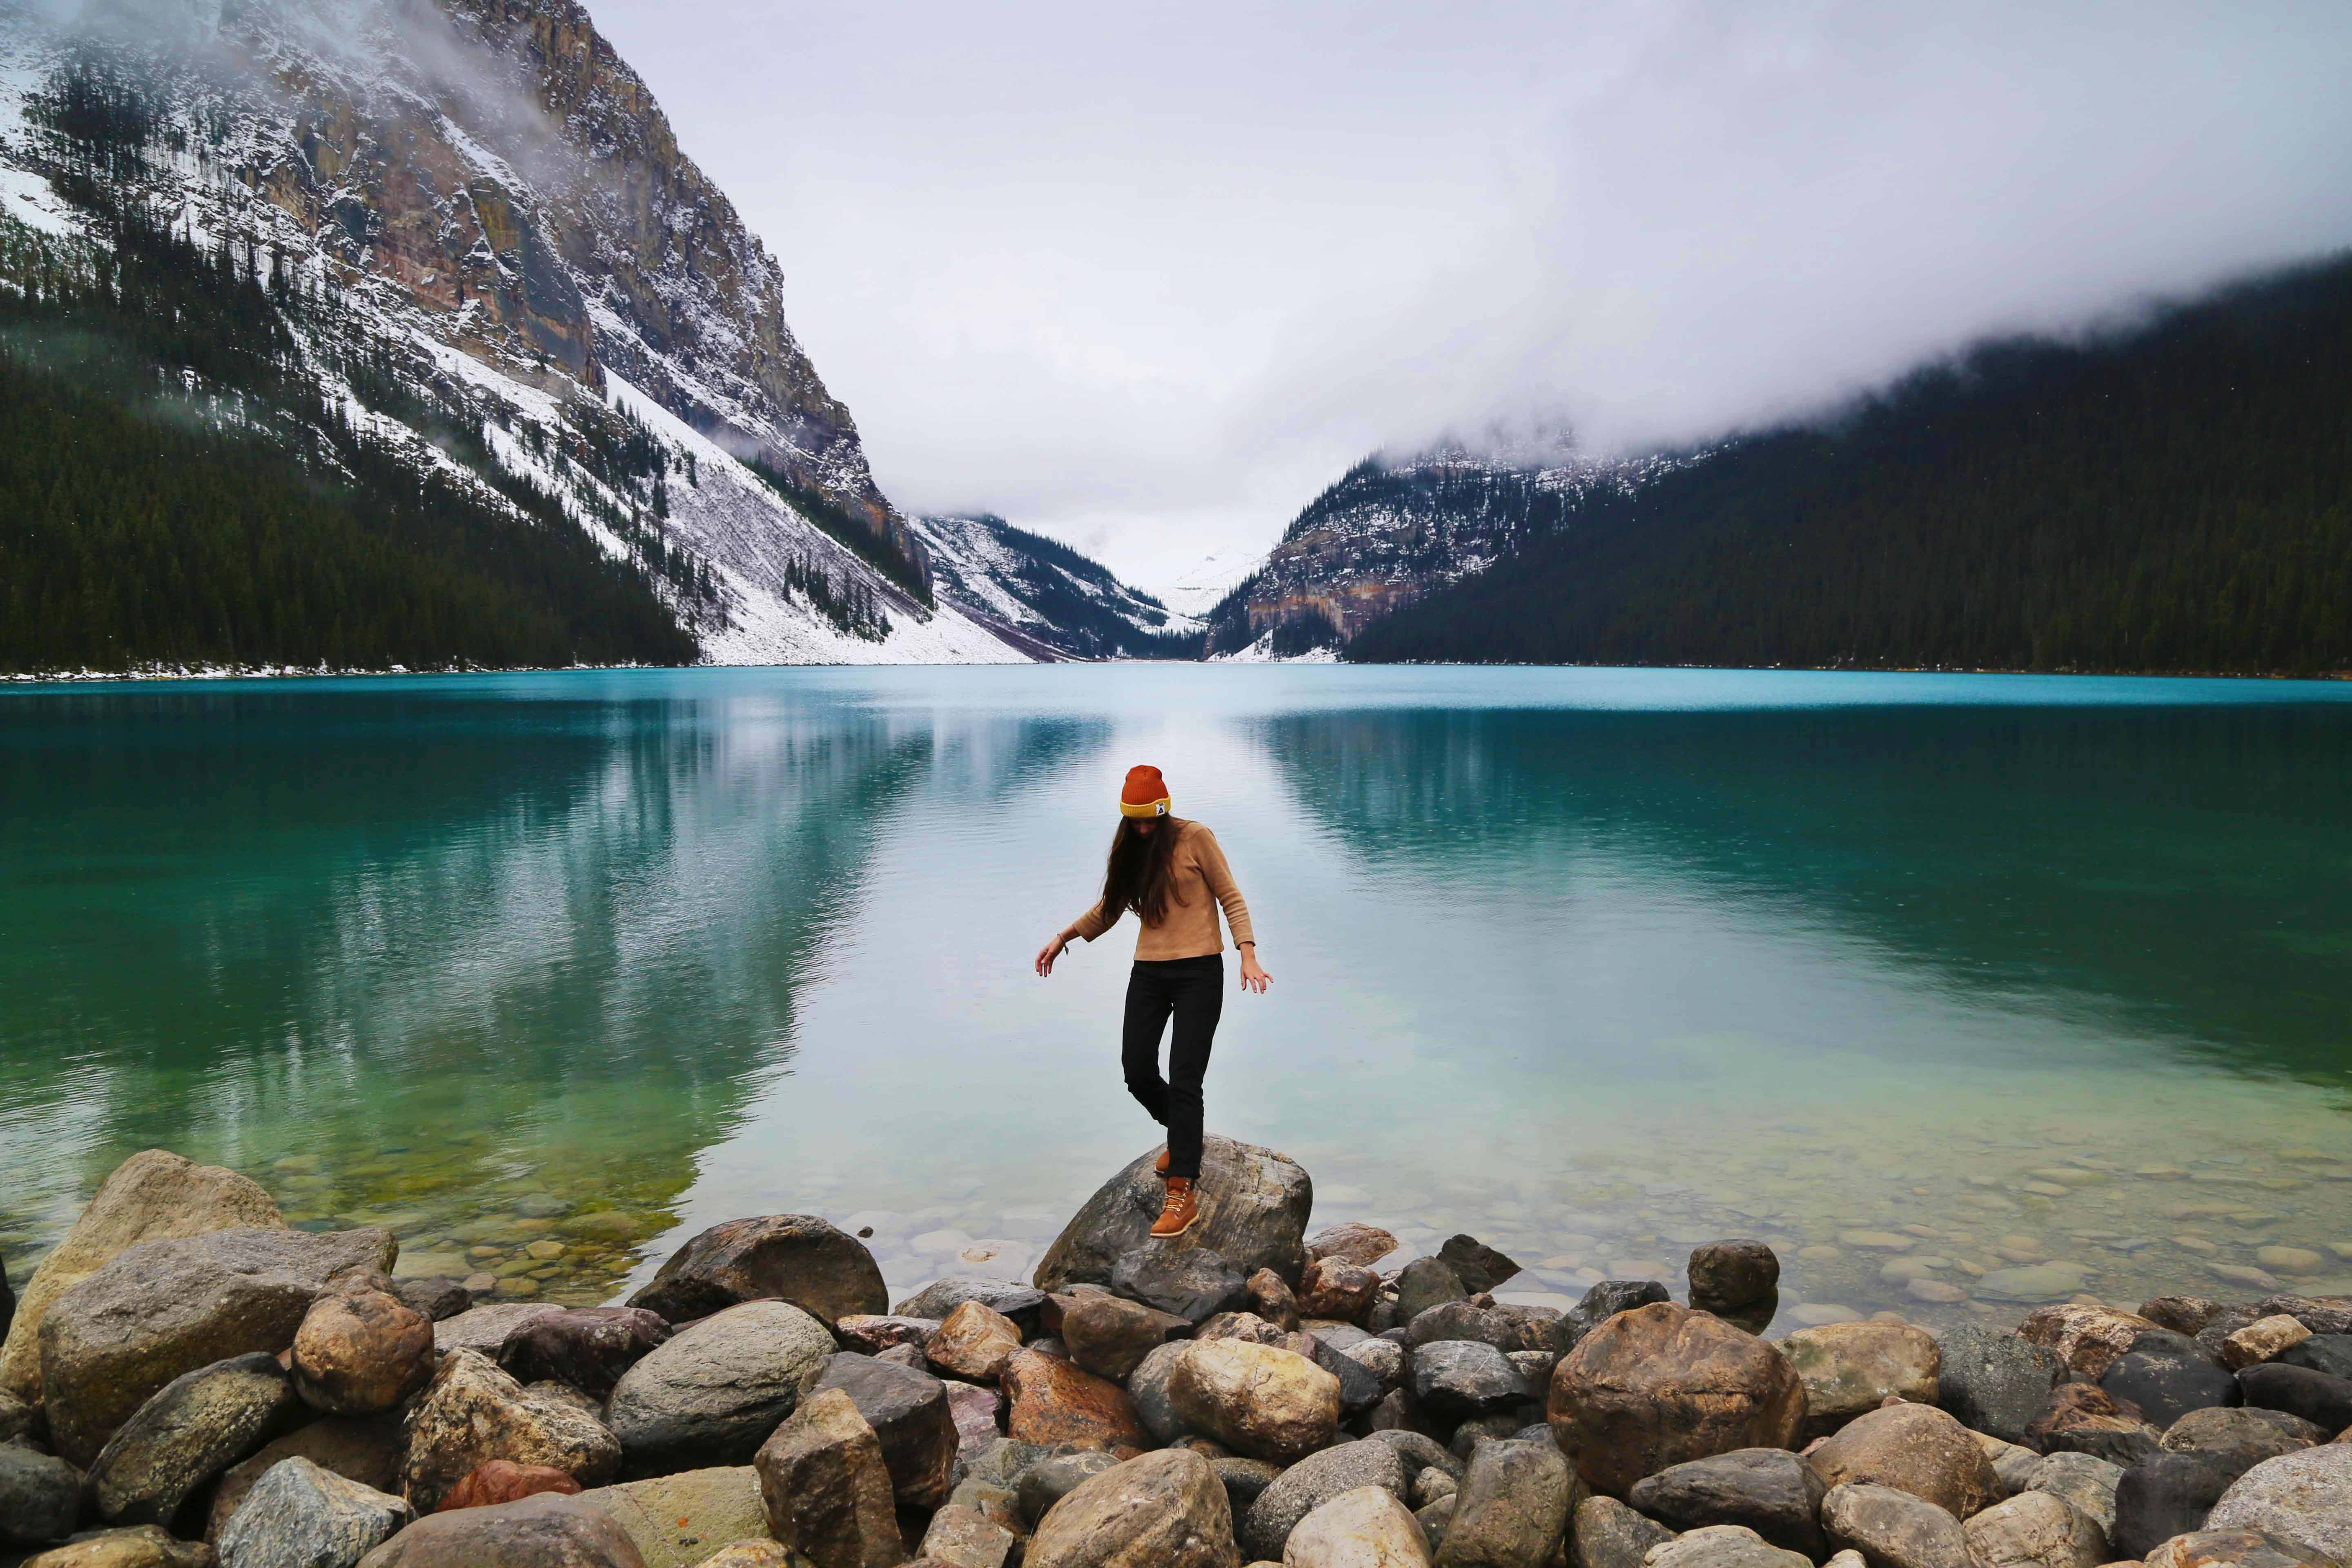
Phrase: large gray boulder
(152,1194)
(544,1531)
(196,1426)
(712,1394)
(1163,1509)
(795,1258)
(162,1308)
(299,1516)
(1312,1482)
(2304,1497)
(1254,1208)
(1512,1509)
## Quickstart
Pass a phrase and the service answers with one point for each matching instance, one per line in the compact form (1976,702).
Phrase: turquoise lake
(1964,991)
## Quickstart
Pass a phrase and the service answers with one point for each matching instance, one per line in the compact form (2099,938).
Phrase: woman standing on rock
(1173,875)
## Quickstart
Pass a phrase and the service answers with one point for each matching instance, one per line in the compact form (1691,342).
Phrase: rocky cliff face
(506,170)
(490,215)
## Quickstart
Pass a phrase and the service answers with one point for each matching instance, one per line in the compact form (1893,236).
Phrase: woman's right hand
(1050,952)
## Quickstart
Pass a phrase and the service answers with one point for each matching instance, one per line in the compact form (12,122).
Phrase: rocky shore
(188,1381)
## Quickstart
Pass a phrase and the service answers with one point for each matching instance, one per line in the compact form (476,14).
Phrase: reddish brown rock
(2088,1418)
(1361,1245)
(1334,1287)
(1054,1401)
(1661,1385)
(503,1480)
(876,1332)
(2085,1338)
(360,1353)
(1914,1448)
(1272,1299)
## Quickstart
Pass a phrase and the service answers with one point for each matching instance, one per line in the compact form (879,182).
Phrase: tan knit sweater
(1199,882)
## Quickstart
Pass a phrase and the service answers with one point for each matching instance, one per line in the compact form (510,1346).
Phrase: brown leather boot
(1160,1166)
(1182,1207)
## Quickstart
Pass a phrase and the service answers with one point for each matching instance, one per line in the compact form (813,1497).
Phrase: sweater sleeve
(1220,878)
(1094,922)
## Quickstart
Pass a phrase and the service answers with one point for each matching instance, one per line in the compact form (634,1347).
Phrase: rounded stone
(1265,1403)
(1163,1509)
(1914,1448)
(712,1393)
(1366,1528)
(2036,1530)
(1316,1480)
(1851,1368)
(361,1352)
(1661,1385)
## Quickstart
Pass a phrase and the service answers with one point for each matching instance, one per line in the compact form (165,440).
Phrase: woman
(1173,875)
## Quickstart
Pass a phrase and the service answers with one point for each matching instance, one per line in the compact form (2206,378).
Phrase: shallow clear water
(1910,975)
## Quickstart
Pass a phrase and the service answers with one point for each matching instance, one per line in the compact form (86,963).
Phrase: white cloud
(1148,277)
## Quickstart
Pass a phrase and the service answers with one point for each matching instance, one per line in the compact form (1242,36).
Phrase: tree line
(2175,495)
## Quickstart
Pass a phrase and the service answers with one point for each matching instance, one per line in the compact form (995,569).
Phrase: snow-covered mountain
(1392,529)
(1040,595)
(487,251)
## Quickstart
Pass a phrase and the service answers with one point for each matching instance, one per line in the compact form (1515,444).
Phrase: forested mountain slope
(2174,496)
(1392,529)
(363,332)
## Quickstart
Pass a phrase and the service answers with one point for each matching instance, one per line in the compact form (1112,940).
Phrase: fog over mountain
(1150,277)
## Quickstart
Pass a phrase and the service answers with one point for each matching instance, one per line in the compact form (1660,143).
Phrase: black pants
(1195,990)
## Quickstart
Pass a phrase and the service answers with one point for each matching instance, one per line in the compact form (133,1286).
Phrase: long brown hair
(1137,875)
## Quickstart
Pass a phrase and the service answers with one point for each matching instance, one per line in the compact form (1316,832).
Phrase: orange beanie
(1145,794)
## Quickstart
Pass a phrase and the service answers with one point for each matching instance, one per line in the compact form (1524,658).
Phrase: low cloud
(1148,277)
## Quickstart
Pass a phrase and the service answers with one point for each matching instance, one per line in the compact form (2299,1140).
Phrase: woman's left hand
(1252,977)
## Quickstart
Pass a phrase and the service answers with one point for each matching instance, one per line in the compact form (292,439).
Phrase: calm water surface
(2020,987)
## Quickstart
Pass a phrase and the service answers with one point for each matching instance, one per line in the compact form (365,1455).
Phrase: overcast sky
(1148,277)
